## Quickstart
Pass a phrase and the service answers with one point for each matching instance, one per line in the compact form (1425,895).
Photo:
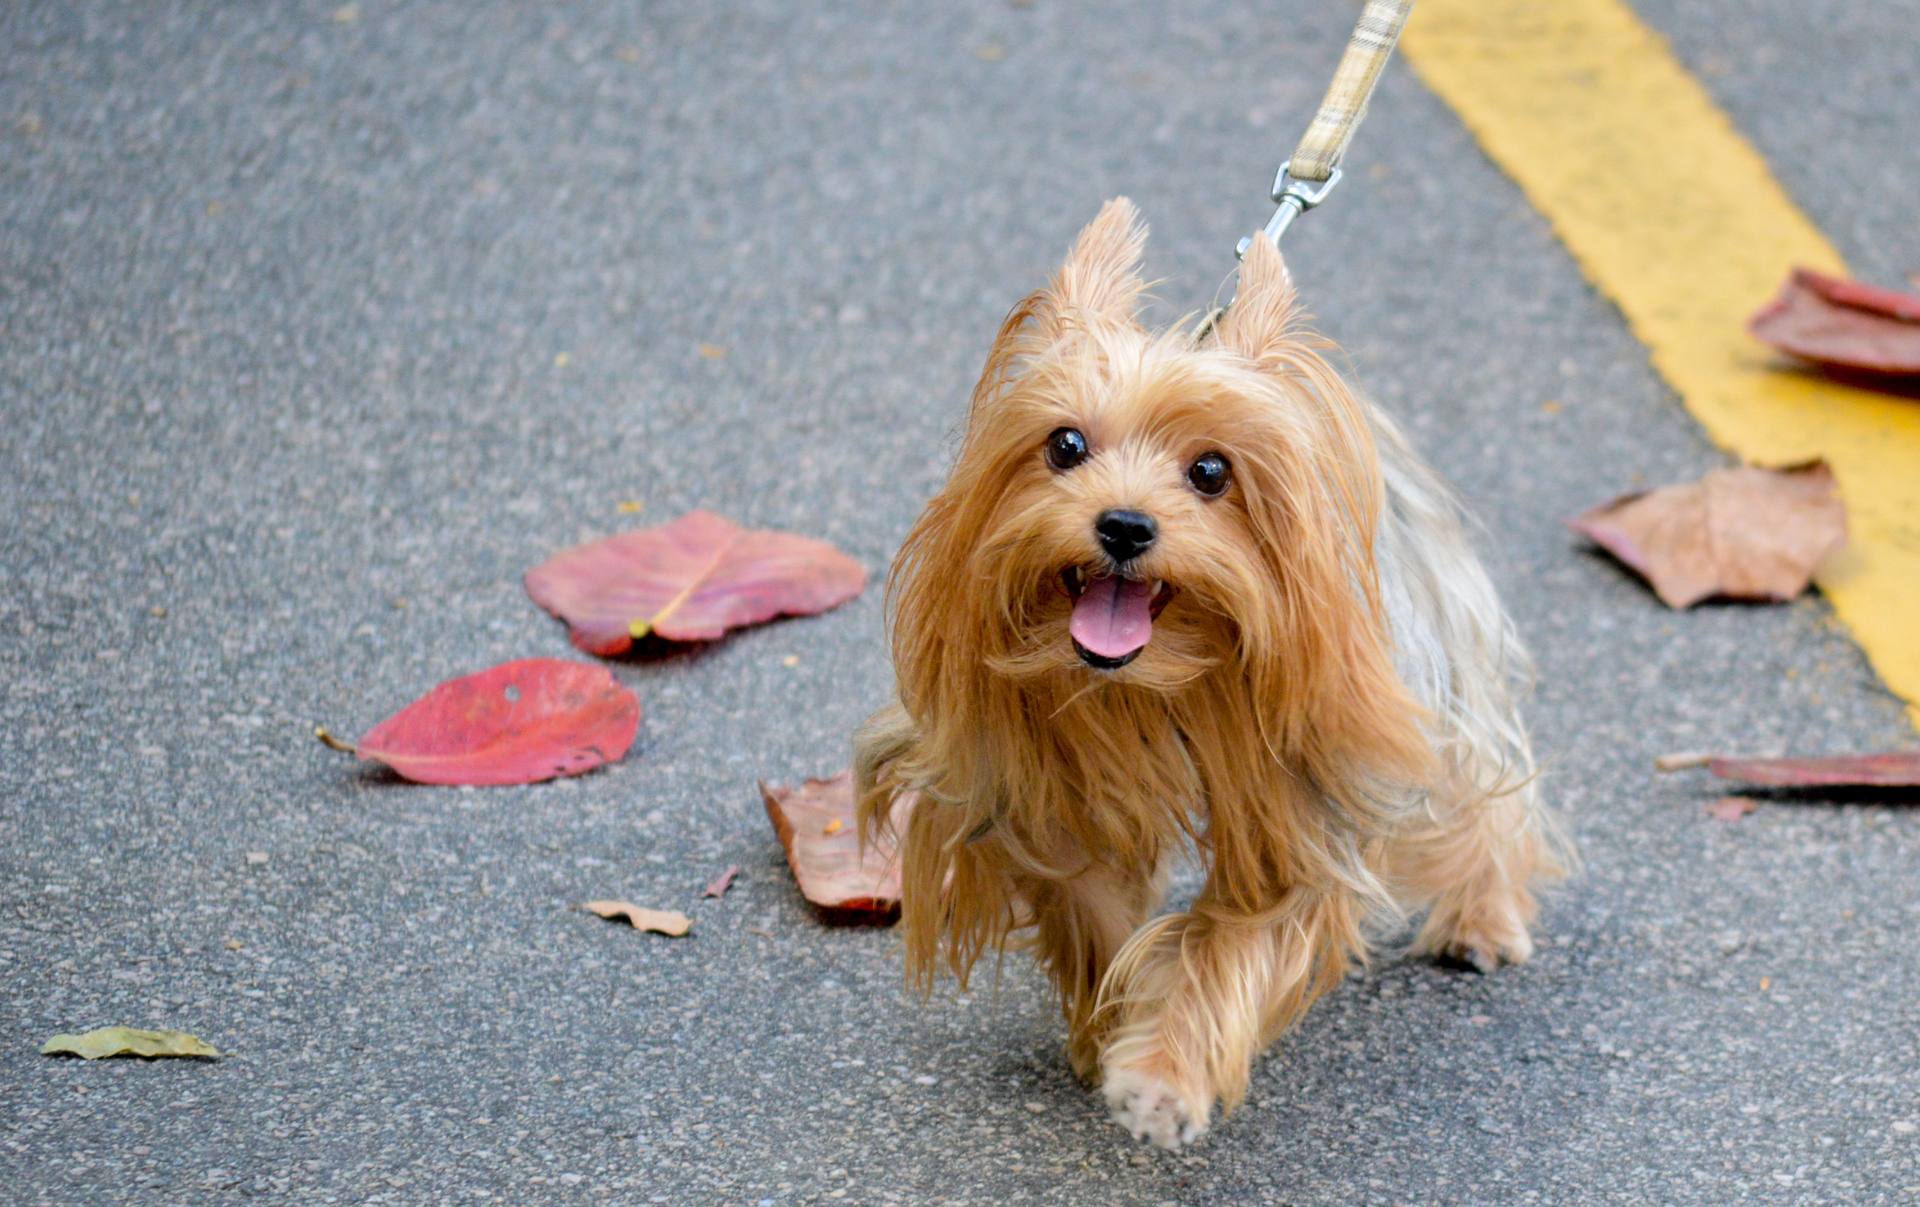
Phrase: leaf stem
(333,743)
(1682,762)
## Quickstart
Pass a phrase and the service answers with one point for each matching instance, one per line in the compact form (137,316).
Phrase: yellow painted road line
(1675,218)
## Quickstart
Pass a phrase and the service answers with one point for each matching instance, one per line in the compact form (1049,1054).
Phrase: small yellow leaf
(661,921)
(102,1042)
(629,506)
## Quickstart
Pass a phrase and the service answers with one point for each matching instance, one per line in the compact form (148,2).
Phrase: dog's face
(1142,508)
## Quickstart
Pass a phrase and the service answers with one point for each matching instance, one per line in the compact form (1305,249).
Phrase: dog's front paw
(1154,1109)
(1482,946)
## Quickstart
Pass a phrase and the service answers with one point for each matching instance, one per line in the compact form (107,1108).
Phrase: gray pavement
(316,333)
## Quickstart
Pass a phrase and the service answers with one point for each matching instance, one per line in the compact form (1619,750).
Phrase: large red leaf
(690,580)
(517,723)
(1843,324)
(1833,771)
(815,823)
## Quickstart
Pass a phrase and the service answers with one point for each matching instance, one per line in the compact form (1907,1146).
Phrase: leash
(1310,173)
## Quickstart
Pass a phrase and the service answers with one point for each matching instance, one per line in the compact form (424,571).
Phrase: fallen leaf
(690,580)
(713,351)
(629,507)
(1892,770)
(102,1042)
(669,922)
(722,882)
(517,723)
(1745,533)
(845,882)
(1843,324)
(1732,808)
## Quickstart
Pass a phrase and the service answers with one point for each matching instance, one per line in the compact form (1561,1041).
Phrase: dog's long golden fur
(1324,709)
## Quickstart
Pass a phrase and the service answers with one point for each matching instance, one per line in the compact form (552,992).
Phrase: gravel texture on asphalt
(323,323)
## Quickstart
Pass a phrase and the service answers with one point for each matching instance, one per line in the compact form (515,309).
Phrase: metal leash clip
(1295,197)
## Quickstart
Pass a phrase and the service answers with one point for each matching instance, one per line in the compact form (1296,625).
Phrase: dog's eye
(1066,448)
(1210,474)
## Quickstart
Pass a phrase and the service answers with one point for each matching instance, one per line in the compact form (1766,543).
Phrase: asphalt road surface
(319,326)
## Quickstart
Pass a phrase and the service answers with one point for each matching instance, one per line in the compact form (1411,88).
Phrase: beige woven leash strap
(1345,104)
(1314,168)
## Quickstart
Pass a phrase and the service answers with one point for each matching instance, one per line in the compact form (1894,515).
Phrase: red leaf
(1843,324)
(1836,771)
(690,580)
(722,882)
(1732,808)
(1743,533)
(517,723)
(848,884)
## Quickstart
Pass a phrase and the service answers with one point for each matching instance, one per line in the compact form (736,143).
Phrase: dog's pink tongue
(1114,617)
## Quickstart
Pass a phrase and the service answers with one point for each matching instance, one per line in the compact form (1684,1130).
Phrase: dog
(1190,593)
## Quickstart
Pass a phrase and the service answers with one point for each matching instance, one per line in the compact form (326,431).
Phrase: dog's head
(1139,508)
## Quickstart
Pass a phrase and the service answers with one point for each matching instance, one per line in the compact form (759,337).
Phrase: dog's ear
(1261,320)
(1100,281)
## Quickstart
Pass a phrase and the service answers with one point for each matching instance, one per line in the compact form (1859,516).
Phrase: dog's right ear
(1265,312)
(1100,281)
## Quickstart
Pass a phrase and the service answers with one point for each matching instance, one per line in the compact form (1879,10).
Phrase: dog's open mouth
(1112,615)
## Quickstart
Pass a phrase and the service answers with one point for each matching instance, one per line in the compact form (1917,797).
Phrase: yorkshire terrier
(1190,592)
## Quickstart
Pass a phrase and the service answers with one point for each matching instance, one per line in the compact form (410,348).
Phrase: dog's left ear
(1261,320)
(1100,281)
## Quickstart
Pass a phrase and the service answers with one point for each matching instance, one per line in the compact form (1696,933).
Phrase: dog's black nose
(1125,535)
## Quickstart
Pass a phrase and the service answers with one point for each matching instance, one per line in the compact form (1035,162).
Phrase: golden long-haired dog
(1194,593)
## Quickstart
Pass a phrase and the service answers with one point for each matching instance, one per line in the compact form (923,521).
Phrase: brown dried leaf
(847,883)
(102,1042)
(1745,533)
(669,922)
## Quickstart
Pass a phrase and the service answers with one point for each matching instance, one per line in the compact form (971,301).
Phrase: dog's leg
(1199,995)
(1081,924)
(1476,860)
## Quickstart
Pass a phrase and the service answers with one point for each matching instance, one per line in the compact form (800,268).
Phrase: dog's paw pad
(1153,1110)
